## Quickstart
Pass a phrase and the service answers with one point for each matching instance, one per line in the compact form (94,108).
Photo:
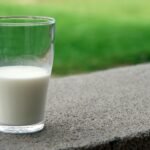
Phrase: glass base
(22,129)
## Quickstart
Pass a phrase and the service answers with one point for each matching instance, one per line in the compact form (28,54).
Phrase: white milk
(22,94)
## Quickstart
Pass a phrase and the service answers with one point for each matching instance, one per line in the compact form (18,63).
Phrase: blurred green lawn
(93,34)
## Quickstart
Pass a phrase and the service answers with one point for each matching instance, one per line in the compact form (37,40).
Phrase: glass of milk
(26,58)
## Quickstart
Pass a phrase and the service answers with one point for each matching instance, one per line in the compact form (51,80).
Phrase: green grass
(94,34)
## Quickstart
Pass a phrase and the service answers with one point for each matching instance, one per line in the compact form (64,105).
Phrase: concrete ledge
(105,110)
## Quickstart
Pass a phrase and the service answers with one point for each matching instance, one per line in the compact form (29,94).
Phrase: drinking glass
(26,59)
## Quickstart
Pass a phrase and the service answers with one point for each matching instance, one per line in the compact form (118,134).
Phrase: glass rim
(39,20)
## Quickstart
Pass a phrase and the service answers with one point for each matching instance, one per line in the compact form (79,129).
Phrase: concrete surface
(107,110)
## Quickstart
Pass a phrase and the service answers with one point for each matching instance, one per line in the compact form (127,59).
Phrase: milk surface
(22,94)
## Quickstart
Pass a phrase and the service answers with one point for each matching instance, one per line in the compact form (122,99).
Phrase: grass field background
(92,34)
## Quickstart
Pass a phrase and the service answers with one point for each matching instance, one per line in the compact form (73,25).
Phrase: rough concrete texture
(107,110)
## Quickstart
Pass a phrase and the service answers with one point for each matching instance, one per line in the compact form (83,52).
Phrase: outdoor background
(92,35)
